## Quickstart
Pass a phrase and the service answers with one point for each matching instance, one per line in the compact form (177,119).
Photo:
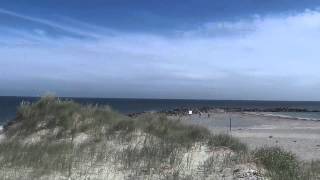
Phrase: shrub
(281,165)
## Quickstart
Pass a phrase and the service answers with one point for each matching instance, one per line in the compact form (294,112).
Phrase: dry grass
(53,138)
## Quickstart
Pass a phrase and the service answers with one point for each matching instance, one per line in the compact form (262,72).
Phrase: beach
(302,137)
(93,142)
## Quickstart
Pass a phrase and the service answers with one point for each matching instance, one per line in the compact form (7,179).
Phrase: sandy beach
(301,137)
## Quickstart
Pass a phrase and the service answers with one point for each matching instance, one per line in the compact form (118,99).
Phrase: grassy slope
(54,139)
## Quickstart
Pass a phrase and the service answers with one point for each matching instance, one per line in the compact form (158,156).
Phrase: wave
(295,116)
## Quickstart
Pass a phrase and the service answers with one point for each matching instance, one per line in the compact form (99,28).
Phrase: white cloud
(262,58)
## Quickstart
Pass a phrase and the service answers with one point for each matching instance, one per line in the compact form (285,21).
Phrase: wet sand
(301,137)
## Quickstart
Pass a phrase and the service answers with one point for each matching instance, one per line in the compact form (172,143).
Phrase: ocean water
(8,105)
(299,115)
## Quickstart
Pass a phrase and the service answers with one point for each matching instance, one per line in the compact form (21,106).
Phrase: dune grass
(225,140)
(58,123)
(145,145)
(283,165)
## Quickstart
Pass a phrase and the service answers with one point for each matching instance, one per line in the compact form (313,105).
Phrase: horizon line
(188,99)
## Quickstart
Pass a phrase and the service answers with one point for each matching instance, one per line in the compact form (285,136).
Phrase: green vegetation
(224,140)
(62,139)
(50,112)
(172,131)
(283,165)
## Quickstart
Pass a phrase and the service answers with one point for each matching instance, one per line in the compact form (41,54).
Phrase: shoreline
(269,114)
(302,137)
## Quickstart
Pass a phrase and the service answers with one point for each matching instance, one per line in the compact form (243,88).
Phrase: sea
(9,105)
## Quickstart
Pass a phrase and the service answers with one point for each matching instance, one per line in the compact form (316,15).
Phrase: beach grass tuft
(225,140)
(283,165)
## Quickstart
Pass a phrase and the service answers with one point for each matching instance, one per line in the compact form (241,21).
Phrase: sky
(182,49)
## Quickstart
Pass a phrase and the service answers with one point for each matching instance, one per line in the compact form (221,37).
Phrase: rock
(247,172)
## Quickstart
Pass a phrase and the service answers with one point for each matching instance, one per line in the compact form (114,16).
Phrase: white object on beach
(190,112)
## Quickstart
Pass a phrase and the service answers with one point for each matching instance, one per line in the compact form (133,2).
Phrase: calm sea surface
(8,105)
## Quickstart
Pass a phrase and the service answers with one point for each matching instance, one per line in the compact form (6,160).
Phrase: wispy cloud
(63,27)
(262,58)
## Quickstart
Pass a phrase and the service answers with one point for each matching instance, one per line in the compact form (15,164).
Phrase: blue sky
(248,49)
